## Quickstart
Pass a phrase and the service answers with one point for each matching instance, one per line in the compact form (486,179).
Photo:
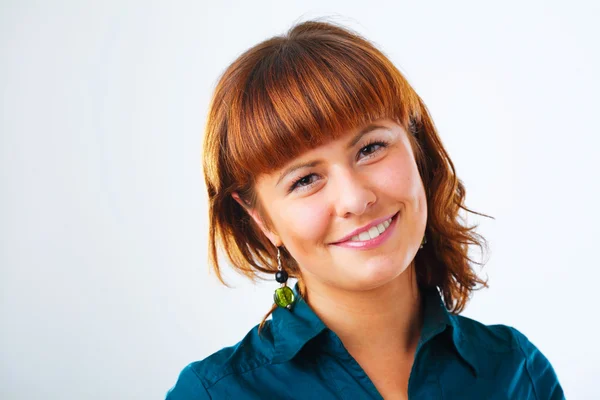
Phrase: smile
(373,232)
(372,237)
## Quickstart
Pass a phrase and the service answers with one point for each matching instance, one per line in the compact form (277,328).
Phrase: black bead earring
(423,242)
(283,296)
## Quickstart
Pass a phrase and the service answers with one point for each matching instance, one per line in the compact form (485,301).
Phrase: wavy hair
(291,93)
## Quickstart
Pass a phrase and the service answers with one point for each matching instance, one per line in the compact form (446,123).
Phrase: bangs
(301,93)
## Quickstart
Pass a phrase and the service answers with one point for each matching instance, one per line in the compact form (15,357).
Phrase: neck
(385,319)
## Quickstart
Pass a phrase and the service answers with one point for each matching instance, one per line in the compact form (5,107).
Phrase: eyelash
(294,185)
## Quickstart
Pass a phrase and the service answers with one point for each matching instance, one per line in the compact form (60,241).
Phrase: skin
(369,298)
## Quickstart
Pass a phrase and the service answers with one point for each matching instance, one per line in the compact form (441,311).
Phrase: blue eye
(302,182)
(306,181)
(371,145)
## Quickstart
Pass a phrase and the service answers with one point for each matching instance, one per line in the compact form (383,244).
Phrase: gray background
(104,282)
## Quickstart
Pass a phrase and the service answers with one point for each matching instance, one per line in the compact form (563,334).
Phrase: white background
(105,289)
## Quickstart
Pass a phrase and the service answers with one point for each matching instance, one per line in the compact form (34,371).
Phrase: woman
(322,164)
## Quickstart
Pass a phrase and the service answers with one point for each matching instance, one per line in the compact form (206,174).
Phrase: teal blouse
(298,357)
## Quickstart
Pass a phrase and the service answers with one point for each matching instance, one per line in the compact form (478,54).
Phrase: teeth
(372,233)
(364,236)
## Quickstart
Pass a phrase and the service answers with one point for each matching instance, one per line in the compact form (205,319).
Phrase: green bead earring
(284,296)
(423,241)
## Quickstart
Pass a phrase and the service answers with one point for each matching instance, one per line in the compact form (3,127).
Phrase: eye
(302,183)
(372,147)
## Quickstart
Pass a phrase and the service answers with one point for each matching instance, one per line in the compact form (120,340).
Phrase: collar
(294,328)
(437,319)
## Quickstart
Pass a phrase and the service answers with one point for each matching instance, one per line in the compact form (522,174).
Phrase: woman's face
(318,199)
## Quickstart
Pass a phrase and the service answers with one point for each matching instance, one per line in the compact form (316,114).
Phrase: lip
(366,228)
(371,243)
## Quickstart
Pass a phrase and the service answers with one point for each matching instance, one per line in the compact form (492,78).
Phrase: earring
(283,296)
(423,241)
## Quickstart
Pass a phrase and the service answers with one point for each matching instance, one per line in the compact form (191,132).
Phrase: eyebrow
(355,139)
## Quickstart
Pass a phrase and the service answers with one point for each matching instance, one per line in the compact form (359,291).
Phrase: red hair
(294,92)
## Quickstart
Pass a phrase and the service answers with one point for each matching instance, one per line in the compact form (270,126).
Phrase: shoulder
(497,338)
(505,342)
(252,352)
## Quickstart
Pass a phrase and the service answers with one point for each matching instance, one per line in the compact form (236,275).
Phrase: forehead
(346,139)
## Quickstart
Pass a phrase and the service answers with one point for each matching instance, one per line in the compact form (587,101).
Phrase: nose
(353,194)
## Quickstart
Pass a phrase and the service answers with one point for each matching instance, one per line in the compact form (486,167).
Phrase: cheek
(306,225)
(399,178)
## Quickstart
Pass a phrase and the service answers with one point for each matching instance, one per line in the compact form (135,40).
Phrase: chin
(374,276)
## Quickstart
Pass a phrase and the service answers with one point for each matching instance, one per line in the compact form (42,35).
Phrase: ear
(273,237)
